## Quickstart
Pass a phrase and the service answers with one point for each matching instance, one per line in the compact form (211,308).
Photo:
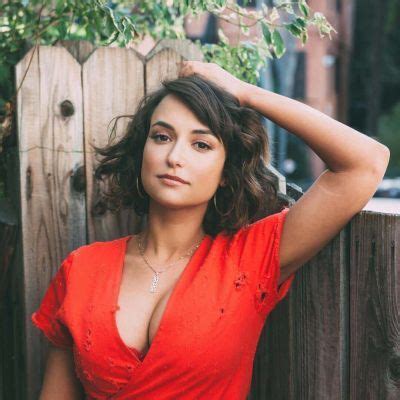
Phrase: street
(384,205)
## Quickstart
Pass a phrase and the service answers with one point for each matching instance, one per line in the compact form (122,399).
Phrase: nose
(176,155)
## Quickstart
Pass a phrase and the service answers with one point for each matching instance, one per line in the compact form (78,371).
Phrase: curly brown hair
(250,192)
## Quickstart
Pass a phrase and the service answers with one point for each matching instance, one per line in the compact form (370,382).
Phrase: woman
(176,310)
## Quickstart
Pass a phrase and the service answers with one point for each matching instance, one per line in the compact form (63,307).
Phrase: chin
(168,201)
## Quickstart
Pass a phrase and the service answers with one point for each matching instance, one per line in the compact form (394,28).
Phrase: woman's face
(173,148)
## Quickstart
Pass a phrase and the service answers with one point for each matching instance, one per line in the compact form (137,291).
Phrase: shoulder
(269,221)
(86,261)
(97,246)
(98,251)
(269,224)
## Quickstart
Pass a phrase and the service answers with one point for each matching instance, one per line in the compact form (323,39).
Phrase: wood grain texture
(375,307)
(113,84)
(301,349)
(336,335)
(50,148)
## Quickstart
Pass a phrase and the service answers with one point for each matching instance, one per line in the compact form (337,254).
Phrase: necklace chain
(156,275)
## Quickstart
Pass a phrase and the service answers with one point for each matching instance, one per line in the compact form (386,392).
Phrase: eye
(205,144)
(157,136)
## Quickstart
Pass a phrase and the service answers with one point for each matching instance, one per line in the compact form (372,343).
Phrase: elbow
(381,161)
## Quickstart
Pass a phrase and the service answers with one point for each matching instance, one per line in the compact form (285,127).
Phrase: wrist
(247,93)
(254,96)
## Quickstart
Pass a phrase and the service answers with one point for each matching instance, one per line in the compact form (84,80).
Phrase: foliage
(118,23)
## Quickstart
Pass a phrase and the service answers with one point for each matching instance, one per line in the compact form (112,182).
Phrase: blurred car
(389,187)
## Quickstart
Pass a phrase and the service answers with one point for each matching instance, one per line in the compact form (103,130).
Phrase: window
(210,32)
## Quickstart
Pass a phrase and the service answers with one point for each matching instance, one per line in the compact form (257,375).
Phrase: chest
(139,310)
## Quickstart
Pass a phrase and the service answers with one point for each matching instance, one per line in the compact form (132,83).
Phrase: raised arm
(356,165)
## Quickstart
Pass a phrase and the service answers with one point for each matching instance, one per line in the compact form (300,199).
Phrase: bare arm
(341,147)
(60,381)
(356,165)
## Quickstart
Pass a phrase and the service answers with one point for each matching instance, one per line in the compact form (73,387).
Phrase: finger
(181,67)
(186,71)
(182,72)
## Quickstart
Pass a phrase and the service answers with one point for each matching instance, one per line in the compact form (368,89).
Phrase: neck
(160,253)
(170,233)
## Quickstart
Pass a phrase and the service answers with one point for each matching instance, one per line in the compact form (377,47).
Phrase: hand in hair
(216,74)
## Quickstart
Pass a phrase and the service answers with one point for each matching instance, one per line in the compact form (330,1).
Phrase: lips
(172,177)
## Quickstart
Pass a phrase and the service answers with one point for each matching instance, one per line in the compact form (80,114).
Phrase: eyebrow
(168,126)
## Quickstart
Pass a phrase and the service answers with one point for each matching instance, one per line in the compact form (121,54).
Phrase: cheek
(150,156)
(209,171)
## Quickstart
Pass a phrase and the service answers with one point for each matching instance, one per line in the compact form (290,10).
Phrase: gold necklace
(156,276)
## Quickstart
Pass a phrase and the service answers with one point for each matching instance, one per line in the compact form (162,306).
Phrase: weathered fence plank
(374,307)
(161,61)
(50,147)
(302,347)
(113,83)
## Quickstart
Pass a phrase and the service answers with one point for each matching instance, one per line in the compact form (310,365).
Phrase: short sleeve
(259,245)
(46,316)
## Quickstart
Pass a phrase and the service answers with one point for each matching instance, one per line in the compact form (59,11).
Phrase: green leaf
(304,37)
(266,33)
(59,7)
(113,18)
(126,31)
(114,36)
(293,29)
(300,22)
(279,46)
(304,9)
(62,29)
(245,30)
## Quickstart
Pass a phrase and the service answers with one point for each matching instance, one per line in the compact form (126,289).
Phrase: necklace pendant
(154,282)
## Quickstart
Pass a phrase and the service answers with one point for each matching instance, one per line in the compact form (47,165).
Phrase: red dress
(207,337)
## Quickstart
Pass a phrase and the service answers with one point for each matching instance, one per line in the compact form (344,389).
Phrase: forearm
(60,379)
(339,146)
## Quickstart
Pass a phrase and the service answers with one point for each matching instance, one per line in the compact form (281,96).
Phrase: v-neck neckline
(121,261)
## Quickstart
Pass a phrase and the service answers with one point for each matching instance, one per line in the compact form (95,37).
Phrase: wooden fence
(335,336)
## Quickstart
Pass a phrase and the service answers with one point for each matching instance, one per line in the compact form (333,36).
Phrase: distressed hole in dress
(261,294)
(263,297)
(241,280)
(129,367)
(88,344)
